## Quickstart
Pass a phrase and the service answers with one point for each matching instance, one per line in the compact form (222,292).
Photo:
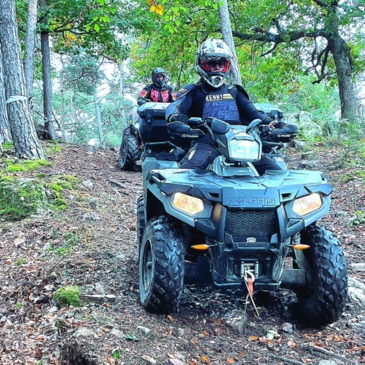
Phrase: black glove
(179,118)
(142,101)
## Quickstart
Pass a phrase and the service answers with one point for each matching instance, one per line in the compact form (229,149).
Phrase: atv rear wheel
(324,298)
(161,266)
(141,223)
(128,153)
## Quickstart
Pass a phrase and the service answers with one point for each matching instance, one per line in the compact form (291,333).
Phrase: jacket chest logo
(218,97)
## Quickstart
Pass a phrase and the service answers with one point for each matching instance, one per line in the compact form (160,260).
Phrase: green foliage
(23,197)
(117,354)
(25,165)
(69,295)
(20,261)
(70,240)
(7,146)
(20,198)
(358,219)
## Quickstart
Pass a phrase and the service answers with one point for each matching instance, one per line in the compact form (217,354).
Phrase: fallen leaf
(230,360)
(305,360)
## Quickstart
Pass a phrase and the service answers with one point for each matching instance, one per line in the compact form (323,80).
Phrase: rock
(176,362)
(360,266)
(356,292)
(236,319)
(149,359)
(91,216)
(308,164)
(145,331)
(116,333)
(287,327)
(87,184)
(327,362)
(305,123)
(84,332)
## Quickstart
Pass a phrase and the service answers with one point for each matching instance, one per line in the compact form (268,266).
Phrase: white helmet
(210,52)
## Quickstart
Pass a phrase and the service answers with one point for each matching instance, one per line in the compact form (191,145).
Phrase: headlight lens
(242,149)
(187,204)
(307,204)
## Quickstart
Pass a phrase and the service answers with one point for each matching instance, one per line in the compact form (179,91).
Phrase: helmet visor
(221,65)
(159,79)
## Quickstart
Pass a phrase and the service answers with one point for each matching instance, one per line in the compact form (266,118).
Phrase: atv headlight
(187,204)
(243,149)
(307,204)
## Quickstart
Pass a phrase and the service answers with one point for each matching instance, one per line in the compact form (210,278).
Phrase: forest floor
(93,245)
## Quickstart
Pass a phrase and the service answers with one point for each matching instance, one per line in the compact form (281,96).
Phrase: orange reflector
(202,246)
(301,247)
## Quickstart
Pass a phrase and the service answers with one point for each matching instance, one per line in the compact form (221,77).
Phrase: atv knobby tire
(324,298)
(161,266)
(128,153)
(141,222)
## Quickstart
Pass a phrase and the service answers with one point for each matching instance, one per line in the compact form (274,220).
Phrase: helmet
(211,52)
(155,76)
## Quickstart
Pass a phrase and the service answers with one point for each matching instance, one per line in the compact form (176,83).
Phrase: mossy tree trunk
(26,143)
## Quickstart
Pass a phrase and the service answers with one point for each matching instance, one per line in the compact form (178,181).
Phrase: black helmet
(210,52)
(156,79)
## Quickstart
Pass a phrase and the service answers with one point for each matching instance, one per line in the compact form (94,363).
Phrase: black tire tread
(165,292)
(328,293)
(141,224)
(128,151)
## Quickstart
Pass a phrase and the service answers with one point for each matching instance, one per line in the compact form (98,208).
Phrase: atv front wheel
(161,266)
(324,298)
(128,153)
(141,223)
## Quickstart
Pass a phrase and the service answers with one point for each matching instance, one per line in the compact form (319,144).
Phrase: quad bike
(252,229)
(131,147)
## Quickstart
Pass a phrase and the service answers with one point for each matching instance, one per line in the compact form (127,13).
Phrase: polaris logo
(251,201)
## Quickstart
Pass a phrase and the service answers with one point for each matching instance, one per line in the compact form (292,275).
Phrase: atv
(257,233)
(131,147)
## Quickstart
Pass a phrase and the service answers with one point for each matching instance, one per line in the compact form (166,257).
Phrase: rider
(158,91)
(211,96)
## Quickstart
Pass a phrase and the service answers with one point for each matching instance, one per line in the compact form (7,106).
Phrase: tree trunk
(98,122)
(4,128)
(29,46)
(228,38)
(21,125)
(341,56)
(49,132)
(62,86)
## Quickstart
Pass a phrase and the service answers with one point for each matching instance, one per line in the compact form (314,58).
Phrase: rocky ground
(93,245)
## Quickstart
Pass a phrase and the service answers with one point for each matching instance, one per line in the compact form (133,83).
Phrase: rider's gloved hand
(178,118)
(273,124)
(142,101)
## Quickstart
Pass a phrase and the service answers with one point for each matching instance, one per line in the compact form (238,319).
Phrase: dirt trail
(99,229)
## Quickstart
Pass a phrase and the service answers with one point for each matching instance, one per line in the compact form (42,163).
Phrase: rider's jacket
(157,94)
(230,103)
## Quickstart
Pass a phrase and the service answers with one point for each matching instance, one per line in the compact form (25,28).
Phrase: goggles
(223,64)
